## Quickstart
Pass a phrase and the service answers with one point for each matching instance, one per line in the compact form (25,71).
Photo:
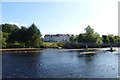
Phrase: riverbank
(34,49)
(27,50)
(21,49)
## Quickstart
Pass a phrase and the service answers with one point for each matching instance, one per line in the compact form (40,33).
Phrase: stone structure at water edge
(57,37)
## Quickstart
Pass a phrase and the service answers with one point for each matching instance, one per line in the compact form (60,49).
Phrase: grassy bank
(57,45)
(52,45)
(21,49)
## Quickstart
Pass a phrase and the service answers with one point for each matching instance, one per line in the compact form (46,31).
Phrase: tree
(14,36)
(98,39)
(33,35)
(111,38)
(117,39)
(9,32)
(89,30)
(81,38)
(73,39)
(2,40)
(105,39)
(23,35)
(91,36)
(8,28)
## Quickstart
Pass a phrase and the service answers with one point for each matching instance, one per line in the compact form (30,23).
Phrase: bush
(17,45)
(52,45)
(60,44)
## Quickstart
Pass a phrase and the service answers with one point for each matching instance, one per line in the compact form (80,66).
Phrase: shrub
(17,45)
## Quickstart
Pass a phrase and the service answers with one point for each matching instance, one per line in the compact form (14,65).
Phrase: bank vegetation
(12,36)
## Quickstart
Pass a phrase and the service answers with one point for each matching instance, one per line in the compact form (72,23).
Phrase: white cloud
(24,25)
(16,23)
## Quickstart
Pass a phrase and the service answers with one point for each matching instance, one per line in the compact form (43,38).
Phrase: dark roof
(59,35)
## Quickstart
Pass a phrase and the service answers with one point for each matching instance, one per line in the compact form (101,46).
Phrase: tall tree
(89,36)
(33,35)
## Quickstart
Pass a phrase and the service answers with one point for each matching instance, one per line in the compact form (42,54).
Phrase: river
(60,63)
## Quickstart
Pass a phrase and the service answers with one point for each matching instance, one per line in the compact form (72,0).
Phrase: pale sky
(63,17)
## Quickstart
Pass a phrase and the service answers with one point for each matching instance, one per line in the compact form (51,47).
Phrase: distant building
(57,38)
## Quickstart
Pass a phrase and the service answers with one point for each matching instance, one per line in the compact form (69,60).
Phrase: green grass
(52,44)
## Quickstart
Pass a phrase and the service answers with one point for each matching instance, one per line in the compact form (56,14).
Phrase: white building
(57,38)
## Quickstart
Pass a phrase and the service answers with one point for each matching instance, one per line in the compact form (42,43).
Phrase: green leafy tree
(81,38)
(90,36)
(111,38)
(98,39)
(105,39)
(117,39)
(73,39)
(33,35)
(14,36)
(23,35)
(8,28)
(2,40)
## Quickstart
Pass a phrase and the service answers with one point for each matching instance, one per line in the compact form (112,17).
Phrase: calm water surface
(56,63)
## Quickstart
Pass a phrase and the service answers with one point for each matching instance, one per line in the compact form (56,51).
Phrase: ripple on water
(53,63)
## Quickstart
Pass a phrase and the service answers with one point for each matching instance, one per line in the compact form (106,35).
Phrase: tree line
(13,36)
(92,38)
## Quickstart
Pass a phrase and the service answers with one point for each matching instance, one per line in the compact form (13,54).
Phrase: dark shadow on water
(17,65)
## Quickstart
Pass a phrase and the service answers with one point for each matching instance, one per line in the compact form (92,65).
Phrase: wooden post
(111,48)
(86,47)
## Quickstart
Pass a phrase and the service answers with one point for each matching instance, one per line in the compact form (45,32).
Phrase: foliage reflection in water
(61,64)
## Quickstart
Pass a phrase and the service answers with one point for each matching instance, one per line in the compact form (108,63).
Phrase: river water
(60,63)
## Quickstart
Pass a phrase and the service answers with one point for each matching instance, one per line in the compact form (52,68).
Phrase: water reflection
(89,58)
(55,63)
(20,63)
